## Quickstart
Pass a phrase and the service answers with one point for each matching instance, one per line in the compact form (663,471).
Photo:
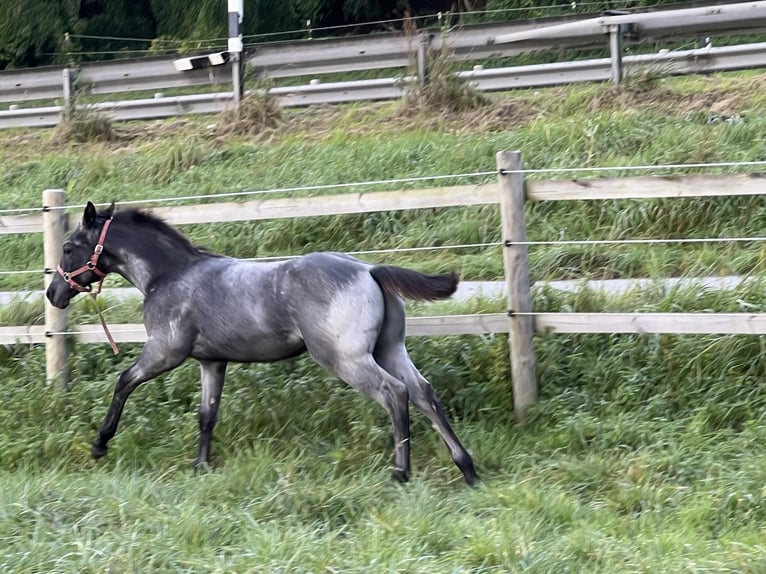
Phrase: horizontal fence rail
(642,187)
(482,324)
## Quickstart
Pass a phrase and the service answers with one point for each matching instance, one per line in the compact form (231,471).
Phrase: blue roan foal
(348,315)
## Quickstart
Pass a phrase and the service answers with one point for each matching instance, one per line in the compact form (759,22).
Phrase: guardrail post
(615,51)
(521,323)
(424,44)
(68,85)
(54,223)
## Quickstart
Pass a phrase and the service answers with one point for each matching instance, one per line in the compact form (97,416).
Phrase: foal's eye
(67,250)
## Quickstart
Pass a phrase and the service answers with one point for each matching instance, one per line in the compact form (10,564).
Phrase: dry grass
(82,124)
(263,119)
(259,113)
(443,91)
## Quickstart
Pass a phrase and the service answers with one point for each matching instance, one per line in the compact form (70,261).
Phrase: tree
(32,32)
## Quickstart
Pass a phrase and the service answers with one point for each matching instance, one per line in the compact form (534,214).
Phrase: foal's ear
(89,215)
(109,211)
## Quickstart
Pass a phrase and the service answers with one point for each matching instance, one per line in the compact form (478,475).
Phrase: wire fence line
(556,242)
(553,242)
(413,179)
(286,257)
(680,240)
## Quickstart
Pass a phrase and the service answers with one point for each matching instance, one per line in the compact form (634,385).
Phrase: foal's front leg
(155,359)
(213,375)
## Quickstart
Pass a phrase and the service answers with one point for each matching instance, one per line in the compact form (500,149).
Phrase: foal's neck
(150,260)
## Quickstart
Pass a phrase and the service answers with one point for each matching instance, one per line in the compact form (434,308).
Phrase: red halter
(92,265)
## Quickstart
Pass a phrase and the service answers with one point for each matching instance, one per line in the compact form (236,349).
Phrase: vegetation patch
(643,454)
(442,90)
(83,124)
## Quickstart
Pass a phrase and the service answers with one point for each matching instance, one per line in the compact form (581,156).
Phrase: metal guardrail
(106,77)
(697,61)
(138,109)
(310,57)
(376,52)
(737,17)
(275,59)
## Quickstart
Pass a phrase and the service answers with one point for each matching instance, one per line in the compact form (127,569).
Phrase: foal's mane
(158,227)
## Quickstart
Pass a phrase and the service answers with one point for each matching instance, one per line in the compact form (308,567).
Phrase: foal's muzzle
(59,293)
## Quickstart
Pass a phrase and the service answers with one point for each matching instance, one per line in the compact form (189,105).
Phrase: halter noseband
(91,265)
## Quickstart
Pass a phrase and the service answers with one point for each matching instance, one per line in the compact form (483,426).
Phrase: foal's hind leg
(366,376)
(213,375)
(397,362)
(391,355)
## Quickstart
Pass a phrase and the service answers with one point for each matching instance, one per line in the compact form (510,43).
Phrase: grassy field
(644,453)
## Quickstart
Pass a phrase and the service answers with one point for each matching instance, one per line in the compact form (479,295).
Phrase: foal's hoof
(201,467)
(472,479)
(400,475)
(97,451)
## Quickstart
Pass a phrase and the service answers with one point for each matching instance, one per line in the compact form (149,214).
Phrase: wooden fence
(510,193)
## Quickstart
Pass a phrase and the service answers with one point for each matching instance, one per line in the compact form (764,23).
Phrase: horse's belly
(256,348)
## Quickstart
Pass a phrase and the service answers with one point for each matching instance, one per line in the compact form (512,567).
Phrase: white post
(236,11)
(54,223)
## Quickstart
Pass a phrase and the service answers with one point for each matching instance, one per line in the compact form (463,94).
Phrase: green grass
(643,454)
(634,460)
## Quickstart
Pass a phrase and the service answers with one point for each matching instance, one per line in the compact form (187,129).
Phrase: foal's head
(79,267)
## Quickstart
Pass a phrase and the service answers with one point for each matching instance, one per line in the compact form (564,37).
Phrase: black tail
(413,284)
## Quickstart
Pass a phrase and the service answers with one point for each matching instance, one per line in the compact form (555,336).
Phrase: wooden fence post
(54,224)
(521,331)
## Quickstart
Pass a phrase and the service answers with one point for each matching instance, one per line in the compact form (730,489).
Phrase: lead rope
(109,337)
(95,294)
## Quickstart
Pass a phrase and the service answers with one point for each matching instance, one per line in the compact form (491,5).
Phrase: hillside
(644,453)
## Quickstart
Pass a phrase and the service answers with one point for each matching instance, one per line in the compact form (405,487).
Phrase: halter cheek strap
(92,265)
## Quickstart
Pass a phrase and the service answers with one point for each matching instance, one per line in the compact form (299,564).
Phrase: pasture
(644,453)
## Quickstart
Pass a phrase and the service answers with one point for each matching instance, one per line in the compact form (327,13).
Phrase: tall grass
(644,453)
